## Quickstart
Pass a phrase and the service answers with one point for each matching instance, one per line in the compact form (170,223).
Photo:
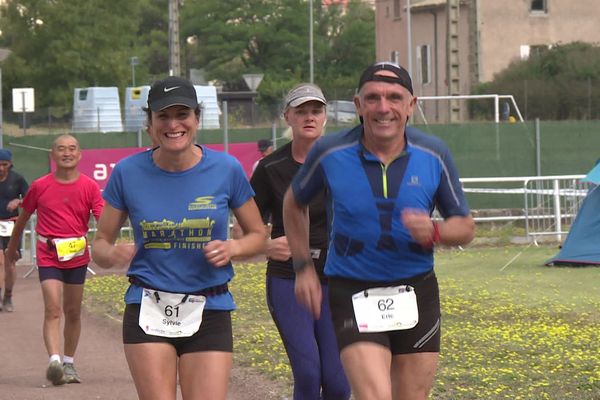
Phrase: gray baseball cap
(302,93)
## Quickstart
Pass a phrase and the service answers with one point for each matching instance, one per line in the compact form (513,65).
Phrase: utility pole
(453,59)
(174,52)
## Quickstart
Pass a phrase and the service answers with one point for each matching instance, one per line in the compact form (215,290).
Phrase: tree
(351,48)
(151,42)
(63,44)
(554,83)
(272,37)
(58,45)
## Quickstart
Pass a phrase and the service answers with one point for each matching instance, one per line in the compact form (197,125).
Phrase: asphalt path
(99,360)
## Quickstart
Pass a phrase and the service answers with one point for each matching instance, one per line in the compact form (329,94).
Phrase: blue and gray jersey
(367,238)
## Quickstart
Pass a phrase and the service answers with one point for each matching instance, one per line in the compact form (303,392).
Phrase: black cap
(172,91)
(264,144)
(402,76)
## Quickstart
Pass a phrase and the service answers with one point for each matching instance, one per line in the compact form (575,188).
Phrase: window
(424,63)
(525,50)
(397,10)
(394,57)
(539,6)
(538,49)
(533,50)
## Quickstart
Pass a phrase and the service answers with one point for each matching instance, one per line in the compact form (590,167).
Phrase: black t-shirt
(13,187)
(270,181)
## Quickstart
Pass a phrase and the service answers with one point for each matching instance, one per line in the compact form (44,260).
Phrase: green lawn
(514,330)
(519,330)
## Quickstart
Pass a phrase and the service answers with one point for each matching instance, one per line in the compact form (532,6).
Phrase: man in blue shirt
(13,188)
(384,181)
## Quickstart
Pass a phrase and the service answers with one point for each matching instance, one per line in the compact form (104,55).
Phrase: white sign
(23,100)
(253,80)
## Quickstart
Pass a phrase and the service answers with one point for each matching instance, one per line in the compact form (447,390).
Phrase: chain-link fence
(235,112)
(44,121)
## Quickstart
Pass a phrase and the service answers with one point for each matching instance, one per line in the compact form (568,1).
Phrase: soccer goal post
(495,97)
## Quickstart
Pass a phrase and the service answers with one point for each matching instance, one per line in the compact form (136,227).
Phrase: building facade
(488,36)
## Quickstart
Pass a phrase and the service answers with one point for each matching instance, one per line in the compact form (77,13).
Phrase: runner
(178,195)
(63,200)
(12,189)
(383,181)
(310,343)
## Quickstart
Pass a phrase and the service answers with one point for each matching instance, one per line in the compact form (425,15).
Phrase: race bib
(170,314)
(315,254)
(6,228)
(69,248)
(386,309)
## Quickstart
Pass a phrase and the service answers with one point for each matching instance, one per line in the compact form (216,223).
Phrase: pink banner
(98,163)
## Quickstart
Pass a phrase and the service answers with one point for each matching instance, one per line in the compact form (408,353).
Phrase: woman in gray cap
(310,343)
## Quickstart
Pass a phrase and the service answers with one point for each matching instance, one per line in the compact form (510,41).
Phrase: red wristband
(435,239)
(436,233)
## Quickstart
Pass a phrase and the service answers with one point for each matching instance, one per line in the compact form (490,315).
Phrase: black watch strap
(299,265)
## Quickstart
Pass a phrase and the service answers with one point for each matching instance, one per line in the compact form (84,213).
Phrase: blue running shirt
(173,215)
(367,238)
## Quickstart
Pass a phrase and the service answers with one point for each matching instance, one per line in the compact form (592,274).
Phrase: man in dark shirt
(12,189)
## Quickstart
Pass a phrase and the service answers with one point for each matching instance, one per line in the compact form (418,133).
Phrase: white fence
(550,203)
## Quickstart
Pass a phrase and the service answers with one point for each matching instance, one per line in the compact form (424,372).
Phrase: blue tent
(582,246)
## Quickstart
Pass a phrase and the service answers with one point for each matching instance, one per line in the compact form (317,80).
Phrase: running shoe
(55,373)
(71,375)
(8,305)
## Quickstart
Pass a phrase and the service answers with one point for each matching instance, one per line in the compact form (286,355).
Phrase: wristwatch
(299,265)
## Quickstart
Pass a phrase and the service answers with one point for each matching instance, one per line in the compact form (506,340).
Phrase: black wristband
(299,265)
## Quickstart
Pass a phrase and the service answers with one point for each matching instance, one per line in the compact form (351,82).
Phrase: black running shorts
(72,276)
(4,245)
(215,333)
(424,337)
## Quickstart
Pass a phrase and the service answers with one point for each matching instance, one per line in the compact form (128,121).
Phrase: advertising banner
(98,163)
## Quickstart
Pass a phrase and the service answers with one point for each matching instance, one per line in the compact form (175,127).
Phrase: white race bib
(170,314)
(6,228)
(315,254)
(69,248)
(386,309)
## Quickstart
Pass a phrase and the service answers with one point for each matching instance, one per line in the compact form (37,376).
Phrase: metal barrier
(550,203)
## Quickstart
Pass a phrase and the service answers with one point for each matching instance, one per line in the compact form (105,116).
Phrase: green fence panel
(479,149)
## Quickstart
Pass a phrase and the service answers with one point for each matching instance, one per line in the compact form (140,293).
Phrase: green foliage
(60,45)
(63,44)
(556,83)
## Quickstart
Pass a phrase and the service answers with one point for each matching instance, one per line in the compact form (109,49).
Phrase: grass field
(511,330)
